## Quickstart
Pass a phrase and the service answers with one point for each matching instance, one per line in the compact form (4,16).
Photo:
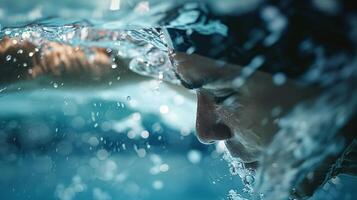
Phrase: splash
(246,174)
(144,44)
(307,136)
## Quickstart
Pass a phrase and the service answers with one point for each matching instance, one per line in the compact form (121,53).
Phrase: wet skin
(244,117)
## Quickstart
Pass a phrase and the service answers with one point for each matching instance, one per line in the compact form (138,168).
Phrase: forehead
(195,71)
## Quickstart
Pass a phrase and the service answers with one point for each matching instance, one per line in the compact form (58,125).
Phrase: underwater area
(132,135)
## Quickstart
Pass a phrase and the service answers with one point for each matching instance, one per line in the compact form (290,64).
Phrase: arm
(23,60)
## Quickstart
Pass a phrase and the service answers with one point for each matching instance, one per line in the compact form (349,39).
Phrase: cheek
(230,116)
(247,121)
(238,113)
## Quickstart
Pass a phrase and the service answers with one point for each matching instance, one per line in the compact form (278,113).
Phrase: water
(85,159)
(289,154)
(87,144)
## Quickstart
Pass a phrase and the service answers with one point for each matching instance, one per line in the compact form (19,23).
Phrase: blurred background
(127,139)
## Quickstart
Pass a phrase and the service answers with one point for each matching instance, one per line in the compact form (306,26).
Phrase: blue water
(132,139)
(61,150)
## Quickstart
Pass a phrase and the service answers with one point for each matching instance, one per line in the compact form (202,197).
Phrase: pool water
(135,138)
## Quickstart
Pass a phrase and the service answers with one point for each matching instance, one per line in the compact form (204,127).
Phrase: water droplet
(164,109)
(190,50)
(3,89)
(114,5)
(25,35)
(233,195)
(164,167)
(157,184)
(248,180)
(8,57)
(145,134)
(108,50)
(141,153)
(7,32)
(189,32)
(161,75)
(194,156)
(142,7)
(238,82)
(279,79)
(102,154)
(233,170)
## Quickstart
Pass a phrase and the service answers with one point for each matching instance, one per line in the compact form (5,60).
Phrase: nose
(208,128)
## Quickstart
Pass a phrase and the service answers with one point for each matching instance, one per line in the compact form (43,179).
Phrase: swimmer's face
(244,117)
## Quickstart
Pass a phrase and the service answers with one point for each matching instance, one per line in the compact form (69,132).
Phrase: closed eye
(219,99)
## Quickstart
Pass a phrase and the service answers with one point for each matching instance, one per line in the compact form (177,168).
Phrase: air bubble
(248,180)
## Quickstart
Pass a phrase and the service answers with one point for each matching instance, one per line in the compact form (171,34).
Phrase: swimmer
(240,117)
(236,111)
(249,80)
